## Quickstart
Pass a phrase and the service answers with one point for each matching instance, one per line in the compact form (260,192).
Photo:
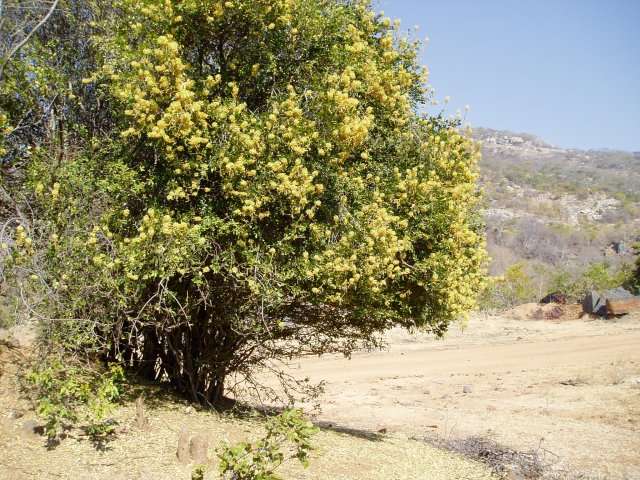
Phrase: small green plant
(66,395)
(260,460)
(198,472)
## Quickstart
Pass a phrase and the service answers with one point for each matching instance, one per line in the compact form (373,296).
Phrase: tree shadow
(246,411)
(156,395)
(101,435)
(354,432)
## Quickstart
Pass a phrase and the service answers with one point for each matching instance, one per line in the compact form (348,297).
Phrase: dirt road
(569,390)
(471,360)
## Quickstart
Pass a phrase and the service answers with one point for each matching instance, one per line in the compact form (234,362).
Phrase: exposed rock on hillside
(553,205)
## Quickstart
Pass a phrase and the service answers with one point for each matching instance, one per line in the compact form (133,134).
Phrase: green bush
(259,461)
(266,190)
(633,281)
(512,288)
(66,395)
(526,282)
(597,276)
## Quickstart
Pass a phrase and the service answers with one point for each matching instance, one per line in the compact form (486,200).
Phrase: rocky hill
(553,206)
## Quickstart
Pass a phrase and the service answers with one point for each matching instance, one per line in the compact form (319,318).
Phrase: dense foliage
(66,394)
(256,184)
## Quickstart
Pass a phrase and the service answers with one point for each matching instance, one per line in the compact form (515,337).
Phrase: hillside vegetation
(556,213)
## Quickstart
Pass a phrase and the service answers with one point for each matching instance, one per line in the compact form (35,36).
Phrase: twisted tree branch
(26,39)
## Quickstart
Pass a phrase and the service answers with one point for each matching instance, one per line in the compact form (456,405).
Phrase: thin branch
(27,38)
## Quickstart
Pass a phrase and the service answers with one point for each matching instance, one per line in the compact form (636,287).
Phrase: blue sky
(566,70)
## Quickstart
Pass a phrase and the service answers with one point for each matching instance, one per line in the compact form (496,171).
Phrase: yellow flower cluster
(336,157)
(162,244)
(365,257)
(163,102)
(5,129)
(23,242)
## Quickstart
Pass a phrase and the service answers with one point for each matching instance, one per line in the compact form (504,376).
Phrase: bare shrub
(504,461)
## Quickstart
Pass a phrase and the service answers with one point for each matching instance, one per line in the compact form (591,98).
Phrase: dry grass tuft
(504,462)
(510,464)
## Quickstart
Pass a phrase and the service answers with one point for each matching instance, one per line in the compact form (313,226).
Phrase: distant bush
(602,276)
(512,288)
(597,276)
(525,282)
(633,281)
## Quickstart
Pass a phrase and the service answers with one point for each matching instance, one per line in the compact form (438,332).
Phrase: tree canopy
(255,182)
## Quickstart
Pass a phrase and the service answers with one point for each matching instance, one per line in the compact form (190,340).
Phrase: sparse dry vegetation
(558,213)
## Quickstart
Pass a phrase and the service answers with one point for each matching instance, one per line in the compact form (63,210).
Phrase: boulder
(617,294)
(616,301)
(198,449)
(623,306)
(183,446)
(594,304)
(555,297)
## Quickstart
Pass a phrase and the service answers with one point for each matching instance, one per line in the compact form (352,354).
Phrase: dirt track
(498,358)
(570,390)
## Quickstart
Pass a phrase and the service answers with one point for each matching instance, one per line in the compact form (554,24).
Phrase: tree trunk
(194,358)
(215,393)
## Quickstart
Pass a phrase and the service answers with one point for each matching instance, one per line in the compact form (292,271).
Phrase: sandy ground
(570,390)
(150,453)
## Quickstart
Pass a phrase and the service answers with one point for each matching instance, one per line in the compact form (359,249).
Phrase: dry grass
(149,453)
(617,373)
(503,461)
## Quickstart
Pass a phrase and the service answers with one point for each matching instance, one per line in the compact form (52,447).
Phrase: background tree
(47,116)
(268,191)
(45,51)
(634,279)
(20,20)
(19,23)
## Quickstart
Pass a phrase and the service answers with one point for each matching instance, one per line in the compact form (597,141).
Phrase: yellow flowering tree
(269,191)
